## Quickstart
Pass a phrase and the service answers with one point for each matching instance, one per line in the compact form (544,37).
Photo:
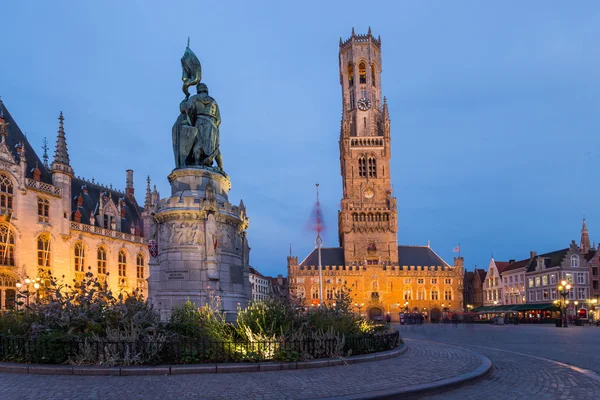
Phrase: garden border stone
(47,369)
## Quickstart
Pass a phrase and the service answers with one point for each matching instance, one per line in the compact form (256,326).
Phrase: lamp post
(359,306)
(27,283)
(406,306)
(564,288)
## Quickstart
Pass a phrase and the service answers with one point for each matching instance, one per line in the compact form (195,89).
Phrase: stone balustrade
(43,187)
(106,232)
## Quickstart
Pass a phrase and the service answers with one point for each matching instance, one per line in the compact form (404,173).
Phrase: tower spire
(584,244)
(148,193)
(61,155)
(45,148)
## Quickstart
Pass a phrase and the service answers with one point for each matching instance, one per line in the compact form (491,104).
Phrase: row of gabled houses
(530,285)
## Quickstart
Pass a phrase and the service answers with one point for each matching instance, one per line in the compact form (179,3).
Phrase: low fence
(187,352)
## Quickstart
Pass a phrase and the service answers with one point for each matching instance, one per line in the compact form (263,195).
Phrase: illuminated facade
(54,222)
(382,276)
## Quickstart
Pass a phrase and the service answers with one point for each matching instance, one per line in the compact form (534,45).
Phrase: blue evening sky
(495,109)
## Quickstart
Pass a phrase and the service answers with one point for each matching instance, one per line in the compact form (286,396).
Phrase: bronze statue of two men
(196,131)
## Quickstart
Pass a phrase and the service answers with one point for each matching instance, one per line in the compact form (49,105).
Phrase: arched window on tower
(6,194)
(43,253)
(362,166)
(362,71)
(7,246)
(101,260)
(79,257)
(350,75)
(373,74)
(372,167)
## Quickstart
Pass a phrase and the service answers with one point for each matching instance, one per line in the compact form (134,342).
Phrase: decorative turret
(62,174)
(61,161)
(584,244)
(148,194)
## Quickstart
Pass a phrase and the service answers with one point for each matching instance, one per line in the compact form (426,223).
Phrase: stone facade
(203,252)
(381,276)
(54,222)
(260,285)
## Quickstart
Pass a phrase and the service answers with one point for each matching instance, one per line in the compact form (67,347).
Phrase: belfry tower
(368,218)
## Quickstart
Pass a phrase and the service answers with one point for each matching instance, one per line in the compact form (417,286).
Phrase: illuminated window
(329,294)
(6,194)
(362,71)
(43,210)
(140,266)
(421,294)
(448,294)
(435,294)
(122,264)
(7,246)
(43,253)
(102,260)
(407,295)
(79,257)
(315,294)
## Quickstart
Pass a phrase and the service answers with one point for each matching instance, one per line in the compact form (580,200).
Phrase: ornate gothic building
(54,222)
(383,277)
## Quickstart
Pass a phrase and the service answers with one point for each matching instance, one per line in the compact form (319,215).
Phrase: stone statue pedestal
(203,250)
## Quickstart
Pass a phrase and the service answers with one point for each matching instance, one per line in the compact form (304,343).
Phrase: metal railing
(86,351)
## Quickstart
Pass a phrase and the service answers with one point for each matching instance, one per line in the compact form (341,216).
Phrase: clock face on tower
(364,104)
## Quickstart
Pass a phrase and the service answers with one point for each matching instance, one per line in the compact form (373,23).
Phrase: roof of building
(253,271)
(552,259)
(501,265)
(516,265)
(13,138)
(407,255)
(481,273)
(590,254)
(469,275)
(91,200)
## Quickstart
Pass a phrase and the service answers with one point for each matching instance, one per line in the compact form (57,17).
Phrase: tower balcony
(367,141)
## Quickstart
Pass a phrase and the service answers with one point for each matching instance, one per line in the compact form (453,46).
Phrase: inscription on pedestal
(177,274)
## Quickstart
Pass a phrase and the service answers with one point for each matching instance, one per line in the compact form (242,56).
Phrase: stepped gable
(91,204)
(14,137)
(553,259)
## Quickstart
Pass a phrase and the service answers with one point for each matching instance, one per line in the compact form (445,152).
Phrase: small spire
(188,45)
(148,192)
(290,249)
(341,41)
(352,31)
(369,31)
(61,155)
(45,156)
(584,243)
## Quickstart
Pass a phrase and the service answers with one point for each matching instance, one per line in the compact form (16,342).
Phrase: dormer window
(540,264)
(574,260)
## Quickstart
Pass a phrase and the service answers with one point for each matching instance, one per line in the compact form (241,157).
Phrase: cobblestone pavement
(423,362)
(520,366)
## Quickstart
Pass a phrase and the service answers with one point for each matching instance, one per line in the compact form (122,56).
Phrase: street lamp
(406,306)
(564,288)
(359,306)
(27,283)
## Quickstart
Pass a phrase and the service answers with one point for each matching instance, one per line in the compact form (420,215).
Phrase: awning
(514,308)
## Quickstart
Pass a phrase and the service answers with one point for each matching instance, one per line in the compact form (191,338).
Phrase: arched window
(350,75)
(362,71)
(435,294)
(362,166)
(574,261)
(7,292)
(101,260)
(301,293)
(373,74)
(421,294)
(79,257)
(43,253)
(7,246)
(448,294)
(407,294)
(372,167)
(329,294)
(6,194)
(315,293)
(140,266)
(122,264)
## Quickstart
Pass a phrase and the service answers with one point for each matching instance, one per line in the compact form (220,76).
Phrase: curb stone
(48,369)
(408,391)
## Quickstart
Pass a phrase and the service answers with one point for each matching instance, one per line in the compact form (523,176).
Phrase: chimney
(532,255)
(129,183)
